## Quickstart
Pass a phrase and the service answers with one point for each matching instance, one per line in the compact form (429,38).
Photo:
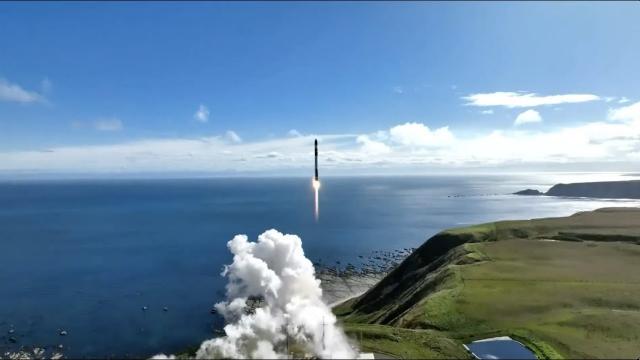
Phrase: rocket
(316,182)
(316,148)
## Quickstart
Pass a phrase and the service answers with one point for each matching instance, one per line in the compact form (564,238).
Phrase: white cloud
(371,146)
(294,133)
(486,112)
(527,117)
(202,114)
(111,124)
(208,154)
(418,134)
(233,137)
(626,113)
(623,100)
(14,93)
(410,146)
(518,99)
(398,89)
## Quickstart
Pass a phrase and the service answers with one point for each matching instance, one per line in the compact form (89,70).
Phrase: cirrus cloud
(520,99)
(15,93)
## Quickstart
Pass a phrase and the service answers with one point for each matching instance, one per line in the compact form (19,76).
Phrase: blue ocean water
(86,256)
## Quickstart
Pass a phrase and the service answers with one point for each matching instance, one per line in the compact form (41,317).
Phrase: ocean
(86,256)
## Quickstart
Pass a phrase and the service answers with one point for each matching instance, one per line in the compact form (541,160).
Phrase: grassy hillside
(566,287)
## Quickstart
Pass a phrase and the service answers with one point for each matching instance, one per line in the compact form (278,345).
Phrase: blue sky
(219,87)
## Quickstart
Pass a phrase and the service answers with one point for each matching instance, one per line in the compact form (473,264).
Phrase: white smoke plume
(274,269)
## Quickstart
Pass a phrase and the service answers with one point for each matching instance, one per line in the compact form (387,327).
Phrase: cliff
(565,287)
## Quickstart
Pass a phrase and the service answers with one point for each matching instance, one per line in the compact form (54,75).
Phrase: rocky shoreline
(340,283)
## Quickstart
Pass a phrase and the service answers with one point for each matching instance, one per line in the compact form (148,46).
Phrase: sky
(244,88)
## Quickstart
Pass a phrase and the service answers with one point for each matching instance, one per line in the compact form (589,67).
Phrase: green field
(566,287)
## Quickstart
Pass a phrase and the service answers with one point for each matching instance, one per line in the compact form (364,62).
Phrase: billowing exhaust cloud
(291,311)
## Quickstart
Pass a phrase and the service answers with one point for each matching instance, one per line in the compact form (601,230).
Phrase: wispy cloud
(398,89)
(623,100)
(202,114)
(111,124)
(520,99)
(233,137)
(486,112)
(527,117)
(15,93)
(102,124)
(626,113)
(294,133)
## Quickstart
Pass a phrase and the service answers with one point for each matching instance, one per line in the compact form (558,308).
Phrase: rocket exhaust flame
(316,188)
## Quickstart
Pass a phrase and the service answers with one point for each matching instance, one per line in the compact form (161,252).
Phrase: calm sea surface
(86,256)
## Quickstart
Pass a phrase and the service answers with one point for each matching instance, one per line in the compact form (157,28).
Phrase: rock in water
(528,192)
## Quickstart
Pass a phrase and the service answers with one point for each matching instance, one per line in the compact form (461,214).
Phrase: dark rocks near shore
(376,263)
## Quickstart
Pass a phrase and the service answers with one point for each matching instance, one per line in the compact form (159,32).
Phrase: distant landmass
(629,189)
(565,287)
(528,192)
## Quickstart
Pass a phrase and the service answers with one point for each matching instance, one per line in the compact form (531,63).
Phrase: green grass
(405,343)
(573,299)
(581,299)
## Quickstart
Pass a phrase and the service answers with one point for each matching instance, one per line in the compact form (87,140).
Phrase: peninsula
(629,189)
